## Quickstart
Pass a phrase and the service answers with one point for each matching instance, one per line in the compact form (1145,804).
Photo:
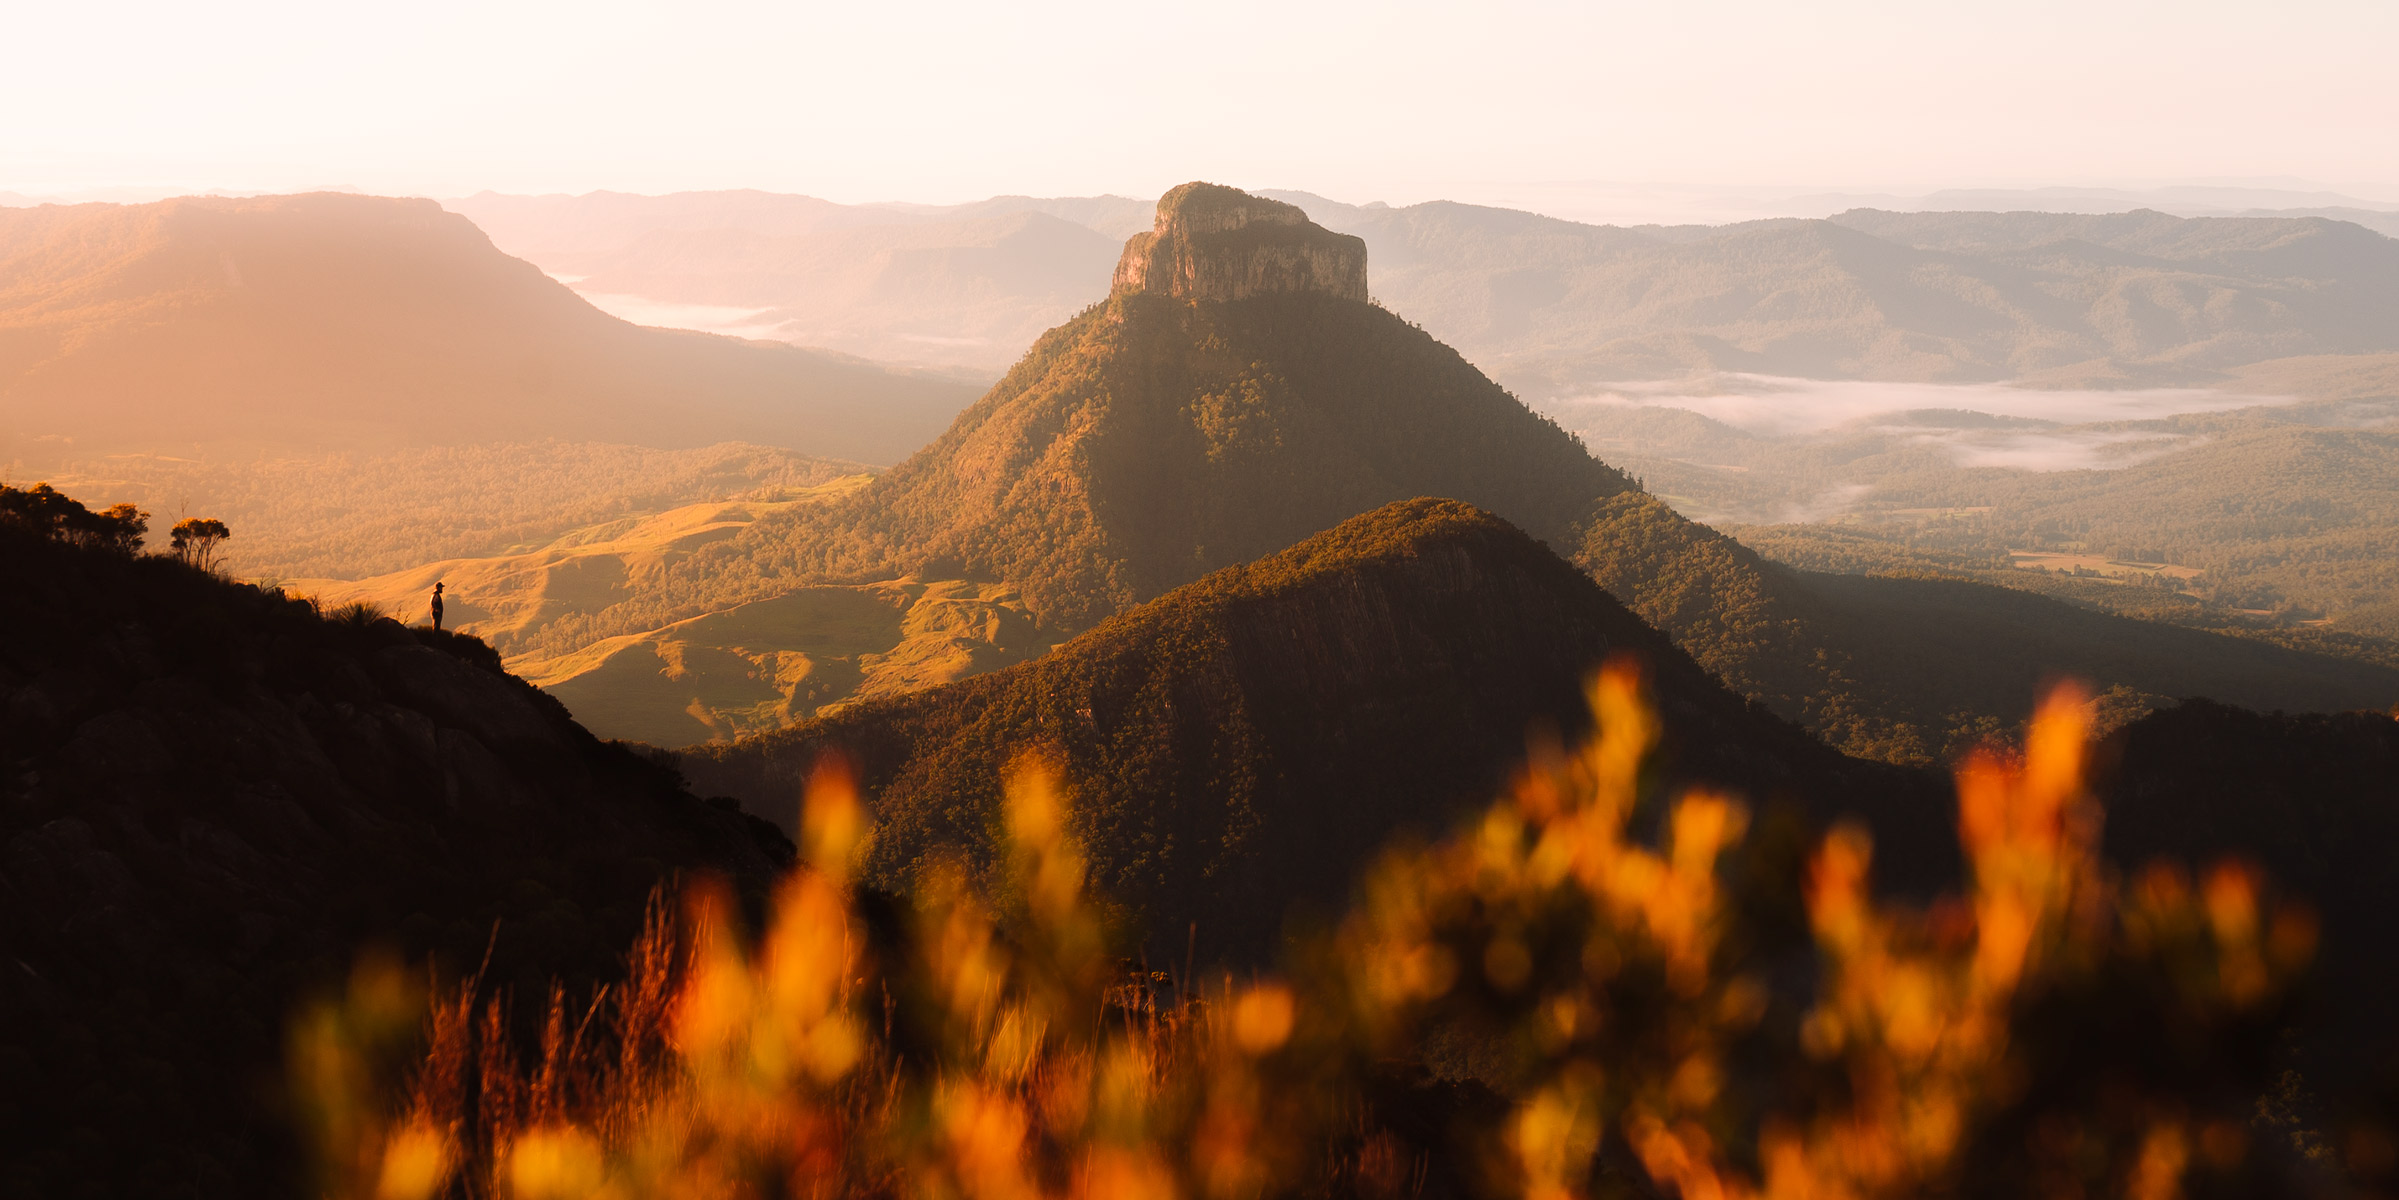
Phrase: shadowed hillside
(352,322)
(1919,669)
(1247,740)
(2313,800)
(215,799)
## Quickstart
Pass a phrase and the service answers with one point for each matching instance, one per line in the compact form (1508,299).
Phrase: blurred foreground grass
(1632,1027)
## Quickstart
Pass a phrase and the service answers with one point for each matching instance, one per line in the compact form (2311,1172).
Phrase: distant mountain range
(1551,306)
(1547,305)
(968,284)
(338,322)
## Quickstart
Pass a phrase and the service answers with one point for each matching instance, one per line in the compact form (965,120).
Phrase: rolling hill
(1550,306)
(327,322)
(1244,742)
(965,285)
(1921,665)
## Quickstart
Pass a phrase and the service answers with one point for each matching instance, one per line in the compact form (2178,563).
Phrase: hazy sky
(1400,101)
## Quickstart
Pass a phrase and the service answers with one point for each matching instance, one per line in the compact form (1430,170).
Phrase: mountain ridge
(338,321)
(1245,740)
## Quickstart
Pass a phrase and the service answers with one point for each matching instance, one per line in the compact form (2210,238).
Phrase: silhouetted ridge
(213,799)
(1247,740)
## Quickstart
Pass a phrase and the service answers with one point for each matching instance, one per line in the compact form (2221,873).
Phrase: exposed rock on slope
(211,800)
(1219,243)
(1248,740)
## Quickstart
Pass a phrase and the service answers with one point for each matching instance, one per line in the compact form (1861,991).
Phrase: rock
(1219,243)
(461,697)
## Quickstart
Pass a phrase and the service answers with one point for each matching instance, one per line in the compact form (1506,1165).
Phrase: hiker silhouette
(437,607)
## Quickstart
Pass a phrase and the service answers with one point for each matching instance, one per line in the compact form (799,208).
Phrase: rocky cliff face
(1220,243)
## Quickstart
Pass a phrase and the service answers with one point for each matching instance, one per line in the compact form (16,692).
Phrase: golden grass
(1007,1056)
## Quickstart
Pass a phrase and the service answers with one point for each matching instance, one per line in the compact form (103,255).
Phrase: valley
(1265,576)
(750,601)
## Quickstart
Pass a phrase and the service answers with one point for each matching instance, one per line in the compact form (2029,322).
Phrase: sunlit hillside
(967,285)
(750,668)
(336,322)
(355,515)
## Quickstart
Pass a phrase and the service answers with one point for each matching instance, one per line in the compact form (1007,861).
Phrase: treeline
(349,516)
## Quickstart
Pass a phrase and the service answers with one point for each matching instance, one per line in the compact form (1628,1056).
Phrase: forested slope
(1247,740)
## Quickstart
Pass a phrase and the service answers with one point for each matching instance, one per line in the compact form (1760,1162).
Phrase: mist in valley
(1530,602)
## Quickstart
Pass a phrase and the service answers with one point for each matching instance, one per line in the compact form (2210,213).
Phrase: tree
(195,541)
(50,513)
(119,528)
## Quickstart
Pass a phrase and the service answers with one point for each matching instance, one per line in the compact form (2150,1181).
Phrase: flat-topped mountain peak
(1213,242)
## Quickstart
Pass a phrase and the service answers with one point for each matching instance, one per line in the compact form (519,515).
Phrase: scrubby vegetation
(1615,1015)
(211,795)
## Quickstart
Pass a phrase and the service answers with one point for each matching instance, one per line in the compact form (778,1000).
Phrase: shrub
(2051,1030)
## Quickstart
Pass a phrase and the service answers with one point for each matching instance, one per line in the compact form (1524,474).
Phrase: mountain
(216,798)
(1246,741)
(1551,306)
(1233,397)
(966,285)
(328,321)
(1202,417)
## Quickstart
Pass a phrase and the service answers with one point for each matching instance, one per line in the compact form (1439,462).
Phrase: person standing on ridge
(437,606)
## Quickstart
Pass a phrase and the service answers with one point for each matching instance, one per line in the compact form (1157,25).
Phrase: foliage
(44,511)
(195,541)
(2051,1030)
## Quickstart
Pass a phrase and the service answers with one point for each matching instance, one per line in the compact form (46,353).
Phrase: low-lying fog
(1771,406)
(1765,449)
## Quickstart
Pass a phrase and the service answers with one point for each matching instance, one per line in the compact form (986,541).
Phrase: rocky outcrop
(1219,243)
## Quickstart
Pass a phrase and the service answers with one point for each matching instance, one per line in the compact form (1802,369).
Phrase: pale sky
(942,102)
